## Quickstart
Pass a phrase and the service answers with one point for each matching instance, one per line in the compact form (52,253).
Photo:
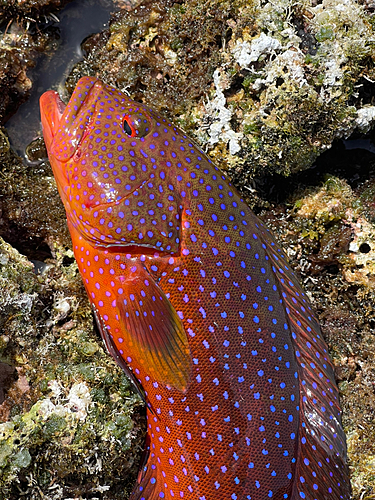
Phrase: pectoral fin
(154,329)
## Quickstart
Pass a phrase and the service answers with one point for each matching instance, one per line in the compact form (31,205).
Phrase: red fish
(197,302)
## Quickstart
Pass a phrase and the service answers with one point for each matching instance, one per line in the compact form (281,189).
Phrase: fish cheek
(153,218)
(142,218)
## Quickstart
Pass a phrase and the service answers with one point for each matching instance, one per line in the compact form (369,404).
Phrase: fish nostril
(77,155)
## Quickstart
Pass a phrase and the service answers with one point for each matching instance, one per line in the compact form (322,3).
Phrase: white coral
(220,129)
(248,52)
(77,405)
(365,118)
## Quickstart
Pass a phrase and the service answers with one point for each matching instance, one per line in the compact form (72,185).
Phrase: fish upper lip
(62,106)
(75,113)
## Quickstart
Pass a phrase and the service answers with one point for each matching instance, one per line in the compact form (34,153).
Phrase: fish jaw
(52,109)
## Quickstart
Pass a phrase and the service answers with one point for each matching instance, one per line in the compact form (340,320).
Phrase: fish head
(111,164)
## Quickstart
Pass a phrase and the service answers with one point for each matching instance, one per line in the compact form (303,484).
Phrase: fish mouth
(55,119)
(52,109)
(58,117)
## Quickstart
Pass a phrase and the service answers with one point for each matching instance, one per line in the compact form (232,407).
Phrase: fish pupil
(127,128)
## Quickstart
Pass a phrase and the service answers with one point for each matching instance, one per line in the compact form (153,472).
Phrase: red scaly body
(194,297)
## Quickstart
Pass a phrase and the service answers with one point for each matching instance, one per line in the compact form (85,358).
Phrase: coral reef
(265,88)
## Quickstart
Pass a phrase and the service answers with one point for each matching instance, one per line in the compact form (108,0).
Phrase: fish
(197,302)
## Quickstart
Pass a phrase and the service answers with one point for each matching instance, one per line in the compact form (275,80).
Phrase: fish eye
(136,124)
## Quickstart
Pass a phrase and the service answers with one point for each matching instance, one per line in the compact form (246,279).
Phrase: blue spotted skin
(194,297)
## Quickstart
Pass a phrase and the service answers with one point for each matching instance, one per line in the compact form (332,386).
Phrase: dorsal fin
(320,469)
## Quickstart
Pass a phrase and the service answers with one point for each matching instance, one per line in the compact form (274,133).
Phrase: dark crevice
(67,261)
(8,375)
(355,165)
(33,247)
(364,92)
(219,41)
(308,44)
(365,248)
(332,269)
(235,86)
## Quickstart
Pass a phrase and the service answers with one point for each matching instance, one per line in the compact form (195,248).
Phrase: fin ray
(154,328)
(114,352)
